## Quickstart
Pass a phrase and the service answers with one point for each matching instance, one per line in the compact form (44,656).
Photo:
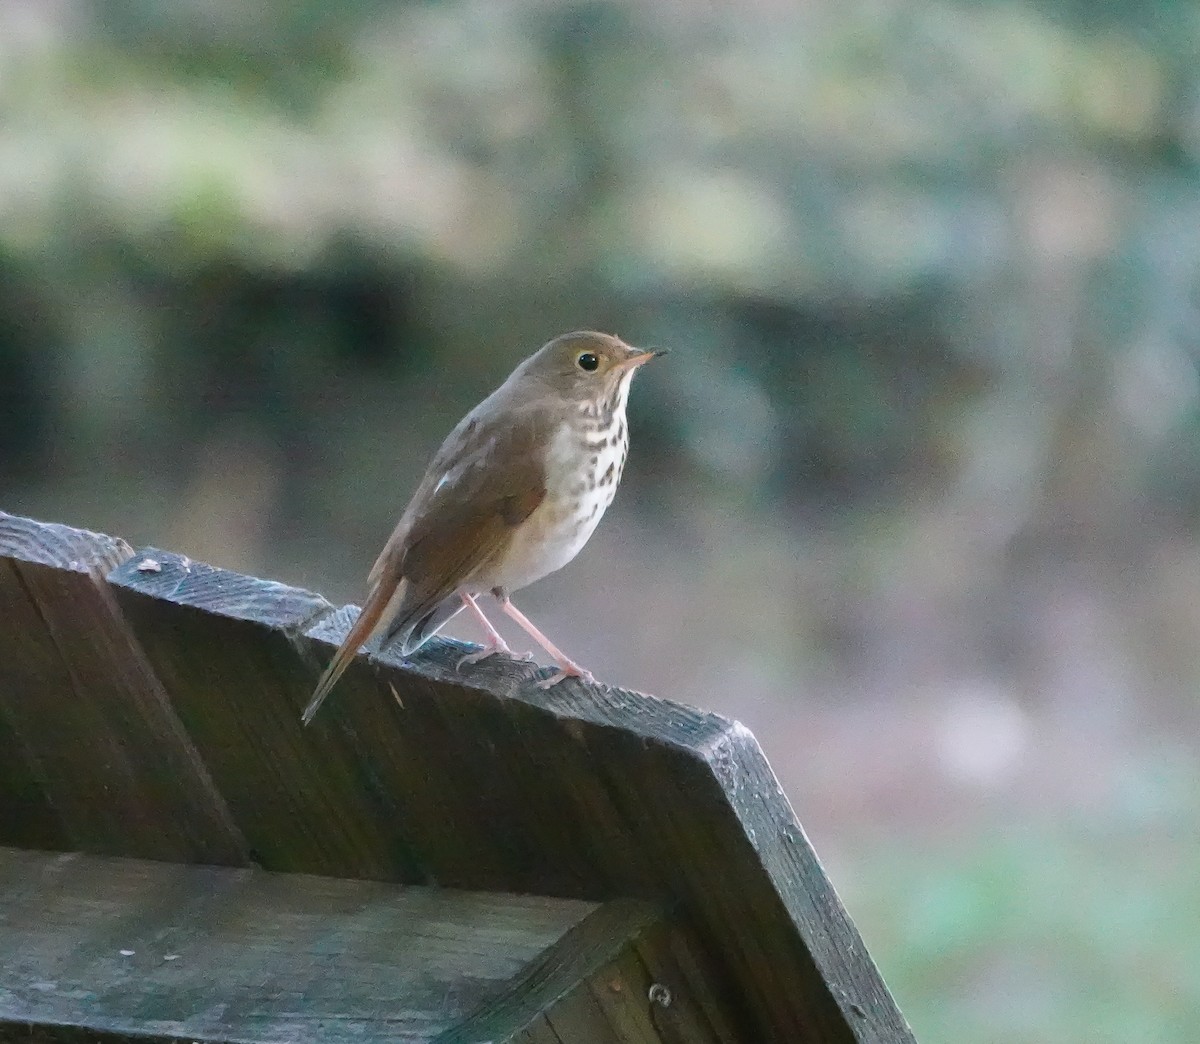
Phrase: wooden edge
(27,814)
(651,718)
(304,615)
(593,943)
(176,578)
(792,865)
(51,544)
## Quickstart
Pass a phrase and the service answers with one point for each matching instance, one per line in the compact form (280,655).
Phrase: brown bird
(513,494)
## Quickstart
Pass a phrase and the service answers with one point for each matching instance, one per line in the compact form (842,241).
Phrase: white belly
(575,501)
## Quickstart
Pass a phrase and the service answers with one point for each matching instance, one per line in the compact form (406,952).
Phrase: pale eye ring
(588,361)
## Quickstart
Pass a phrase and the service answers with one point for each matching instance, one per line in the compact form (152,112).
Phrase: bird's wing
(485,480)
(469,440)
(464,520)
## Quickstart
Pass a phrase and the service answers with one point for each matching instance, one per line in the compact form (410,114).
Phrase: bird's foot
(488,650)
(492,650)
(567,670)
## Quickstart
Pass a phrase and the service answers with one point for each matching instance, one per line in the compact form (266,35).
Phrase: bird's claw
(482,654)
(492,650)
(563,673)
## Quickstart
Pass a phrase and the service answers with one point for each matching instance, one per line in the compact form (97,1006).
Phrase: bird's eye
(588,361)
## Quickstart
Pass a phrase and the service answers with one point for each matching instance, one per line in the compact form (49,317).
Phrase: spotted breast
(583,466)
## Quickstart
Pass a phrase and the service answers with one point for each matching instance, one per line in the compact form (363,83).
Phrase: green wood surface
(124,946)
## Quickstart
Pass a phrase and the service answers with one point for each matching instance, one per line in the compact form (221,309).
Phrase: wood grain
(577,1017)
(559,973)
(124,946)
(226,649)
(27,818)
(673,957)
(637,996)
(622,993)
(86,732)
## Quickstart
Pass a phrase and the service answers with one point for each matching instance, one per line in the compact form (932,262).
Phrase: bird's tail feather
(364,627)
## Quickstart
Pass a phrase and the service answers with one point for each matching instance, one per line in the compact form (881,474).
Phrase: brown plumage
(512,494)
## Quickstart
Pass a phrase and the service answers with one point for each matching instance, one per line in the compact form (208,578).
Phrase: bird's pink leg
(495,642)
(567,668)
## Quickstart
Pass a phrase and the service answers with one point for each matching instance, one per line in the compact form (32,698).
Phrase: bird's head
(586,366)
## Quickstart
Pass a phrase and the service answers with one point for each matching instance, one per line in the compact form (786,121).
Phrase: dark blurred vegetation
(916,497)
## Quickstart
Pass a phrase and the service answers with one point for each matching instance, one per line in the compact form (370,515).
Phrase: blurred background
(917,496)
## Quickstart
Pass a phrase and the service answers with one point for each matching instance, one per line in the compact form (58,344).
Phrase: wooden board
(558,979)
(303,803)
(477,779)
(121,947)
(641,995)
(482,780)
(93,756)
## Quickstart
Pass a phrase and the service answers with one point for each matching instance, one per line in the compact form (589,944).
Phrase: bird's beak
(639,357)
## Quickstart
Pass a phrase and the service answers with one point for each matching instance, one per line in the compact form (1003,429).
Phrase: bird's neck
(608,408)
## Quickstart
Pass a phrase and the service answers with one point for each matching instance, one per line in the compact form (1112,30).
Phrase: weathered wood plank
(577,1017)
(26,816)
(622,991)
(672,957)
(483,780)
(501,808)
(477,779)
(51,544)
(86,732)
(122,946)
(304,805)
(558,973)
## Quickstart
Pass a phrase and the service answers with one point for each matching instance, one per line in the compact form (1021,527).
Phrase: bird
(513,494)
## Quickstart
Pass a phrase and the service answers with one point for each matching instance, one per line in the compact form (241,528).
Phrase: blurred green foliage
(1039,936)
(878,191)
(932,273)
